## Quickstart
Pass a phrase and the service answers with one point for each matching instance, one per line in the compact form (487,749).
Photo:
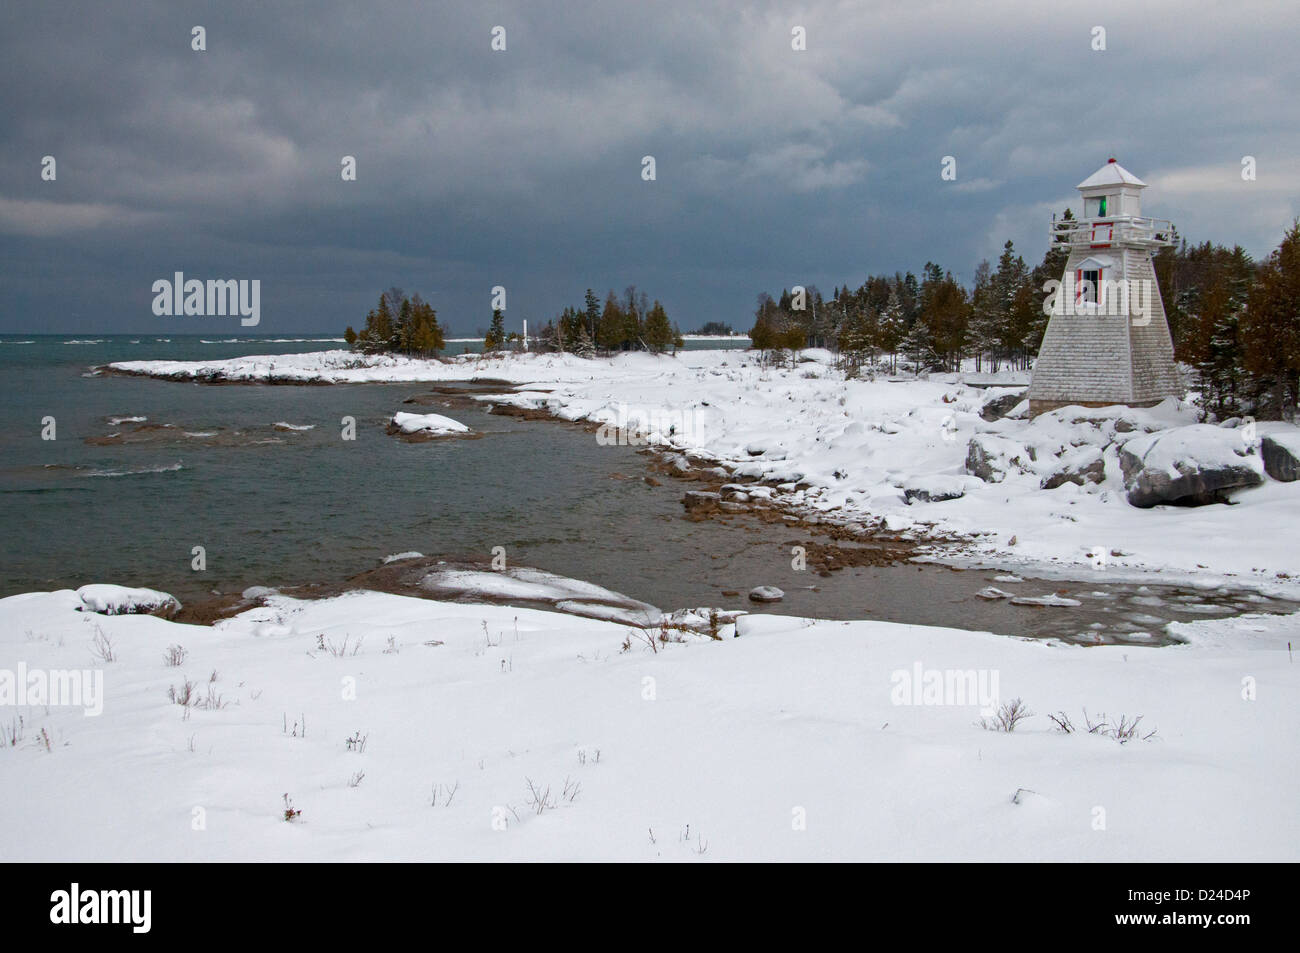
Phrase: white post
(525,334)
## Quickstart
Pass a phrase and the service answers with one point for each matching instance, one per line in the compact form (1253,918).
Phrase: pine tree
(892,327)
(496,336)
(659,334)
(612,329)
(592,313)
(1271,328)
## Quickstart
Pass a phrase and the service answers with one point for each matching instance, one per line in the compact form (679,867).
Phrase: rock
(1085,465)
(935,489)
(701,501)
(990,457)
(995,408)
(1281,452)
(766,594)
(1190,466)
(120,600)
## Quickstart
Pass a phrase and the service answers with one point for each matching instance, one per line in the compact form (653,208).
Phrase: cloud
(522,168)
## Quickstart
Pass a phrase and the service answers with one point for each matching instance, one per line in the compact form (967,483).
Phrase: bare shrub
(1009,715)
(101,646)
(445,793)
(174,656)
(186,695)
(539,798)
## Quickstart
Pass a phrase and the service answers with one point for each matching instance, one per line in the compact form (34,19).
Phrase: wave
(85,341)
(142,470)
(281,425)
(274,341)
(114,421)
(17,342)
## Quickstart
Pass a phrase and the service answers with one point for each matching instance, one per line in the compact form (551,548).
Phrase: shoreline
(532,390)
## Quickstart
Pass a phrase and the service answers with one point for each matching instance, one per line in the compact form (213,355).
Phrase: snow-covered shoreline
(876,455)
(410,729)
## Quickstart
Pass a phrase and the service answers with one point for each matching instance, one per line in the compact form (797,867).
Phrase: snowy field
(408,729)
(856,451)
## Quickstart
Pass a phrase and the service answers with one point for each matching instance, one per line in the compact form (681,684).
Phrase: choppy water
(283,506)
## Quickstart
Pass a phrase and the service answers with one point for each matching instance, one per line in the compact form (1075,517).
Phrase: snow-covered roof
(1112,173)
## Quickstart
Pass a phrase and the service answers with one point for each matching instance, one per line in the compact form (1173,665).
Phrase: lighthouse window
(1089,282)
(1101,206)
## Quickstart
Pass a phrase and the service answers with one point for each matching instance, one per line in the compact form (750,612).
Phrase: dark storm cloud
(523,168)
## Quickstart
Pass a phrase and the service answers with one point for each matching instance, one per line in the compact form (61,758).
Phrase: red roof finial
(1110,160)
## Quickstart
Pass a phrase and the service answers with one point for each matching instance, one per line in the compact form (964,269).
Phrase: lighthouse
(1107,339)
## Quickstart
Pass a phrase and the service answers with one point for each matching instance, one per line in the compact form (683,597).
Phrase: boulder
(995,408)
(934,489)
(1281,452)
(107,599)
(1190,466)
(766,594)
(990,457)
(1082,466)
(701,501)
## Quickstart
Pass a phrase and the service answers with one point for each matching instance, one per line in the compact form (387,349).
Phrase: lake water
(276,506)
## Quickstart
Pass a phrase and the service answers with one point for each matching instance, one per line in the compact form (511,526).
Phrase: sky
(523,168)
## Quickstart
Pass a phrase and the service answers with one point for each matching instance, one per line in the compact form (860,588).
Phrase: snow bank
(795,719)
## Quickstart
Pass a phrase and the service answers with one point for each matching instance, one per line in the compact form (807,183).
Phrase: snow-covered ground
(852,451)
(408,729)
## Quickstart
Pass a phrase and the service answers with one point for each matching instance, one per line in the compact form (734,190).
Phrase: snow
(116,600)
(783,744)
(1200,445)
(847,449)
(428,423)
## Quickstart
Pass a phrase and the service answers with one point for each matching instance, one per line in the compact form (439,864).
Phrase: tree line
(1234,321)
(627,323)
(400,324)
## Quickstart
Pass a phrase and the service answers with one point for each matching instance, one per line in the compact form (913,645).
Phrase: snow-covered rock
(1000,402)
(119,600)
(991,457)
(1082,466)
(935,489)
(1192,465)
(1281,453)
(426,424)
(766,594)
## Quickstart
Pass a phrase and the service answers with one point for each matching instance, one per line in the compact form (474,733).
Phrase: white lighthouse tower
(1107,339)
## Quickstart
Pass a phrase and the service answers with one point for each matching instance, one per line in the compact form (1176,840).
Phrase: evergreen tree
(1271,327)
(611,331)
(495,340)
(592,313)
(659,335)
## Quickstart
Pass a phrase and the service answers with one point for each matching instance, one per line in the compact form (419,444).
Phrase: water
(282,507)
